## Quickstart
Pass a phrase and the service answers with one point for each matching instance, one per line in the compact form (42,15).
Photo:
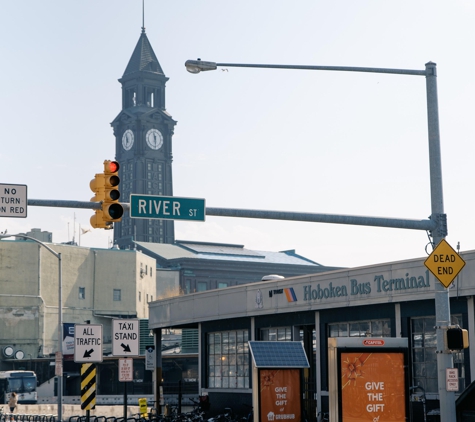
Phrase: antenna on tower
(143,15)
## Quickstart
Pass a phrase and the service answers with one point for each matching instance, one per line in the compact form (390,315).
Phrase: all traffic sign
(87,343)
(444,263)
(125,337)
(167,207)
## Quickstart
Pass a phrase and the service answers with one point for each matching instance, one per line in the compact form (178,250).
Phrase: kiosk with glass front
(368,379)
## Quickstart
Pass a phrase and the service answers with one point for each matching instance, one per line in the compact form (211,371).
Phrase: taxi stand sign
(444,263)
(125,337)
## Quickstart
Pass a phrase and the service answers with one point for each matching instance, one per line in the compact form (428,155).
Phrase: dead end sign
(444,263)
(125,337)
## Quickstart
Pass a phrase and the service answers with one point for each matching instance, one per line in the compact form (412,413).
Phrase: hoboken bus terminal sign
(444,263)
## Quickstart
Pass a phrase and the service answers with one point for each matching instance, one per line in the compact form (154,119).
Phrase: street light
(442,300)
(59,353)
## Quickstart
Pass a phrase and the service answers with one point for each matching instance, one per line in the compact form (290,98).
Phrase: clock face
(154,139)
(128,139)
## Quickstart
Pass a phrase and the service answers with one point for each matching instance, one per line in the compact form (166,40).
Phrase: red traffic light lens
(113,166)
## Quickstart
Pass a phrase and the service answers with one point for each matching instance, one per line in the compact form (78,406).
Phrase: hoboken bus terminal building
(385,300)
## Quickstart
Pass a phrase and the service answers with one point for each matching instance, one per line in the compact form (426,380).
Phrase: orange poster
(372,387)
(279,395)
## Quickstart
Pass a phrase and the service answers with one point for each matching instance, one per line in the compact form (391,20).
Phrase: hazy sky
(289,140)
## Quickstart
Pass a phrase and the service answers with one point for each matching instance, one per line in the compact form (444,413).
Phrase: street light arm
(197,66)
(56,254)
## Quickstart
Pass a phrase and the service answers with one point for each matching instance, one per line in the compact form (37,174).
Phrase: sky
(283,140)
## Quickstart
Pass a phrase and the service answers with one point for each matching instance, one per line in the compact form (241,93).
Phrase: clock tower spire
(143,131)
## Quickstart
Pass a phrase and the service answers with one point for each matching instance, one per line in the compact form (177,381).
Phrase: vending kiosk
(277,368)
(368,379)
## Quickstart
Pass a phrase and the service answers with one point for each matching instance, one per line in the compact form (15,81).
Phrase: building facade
(98,285)
(386,300)
(187,267)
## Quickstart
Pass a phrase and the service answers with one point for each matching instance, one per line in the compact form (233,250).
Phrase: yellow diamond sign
(444,263)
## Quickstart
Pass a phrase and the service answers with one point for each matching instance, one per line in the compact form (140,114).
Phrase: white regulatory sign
(452,379)
(150,358)
(126,369)
(87,343)
(125,337)
(13,201)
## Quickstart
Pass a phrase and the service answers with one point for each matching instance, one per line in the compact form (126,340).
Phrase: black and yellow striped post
(88,386)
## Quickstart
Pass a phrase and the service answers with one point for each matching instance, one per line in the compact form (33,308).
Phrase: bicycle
(227,416)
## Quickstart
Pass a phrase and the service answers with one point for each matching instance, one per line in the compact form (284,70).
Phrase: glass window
(277,334)
(228,359)
(376,328)
(201,286)
(424,358)
(117,295)
(82,293)
(222,285)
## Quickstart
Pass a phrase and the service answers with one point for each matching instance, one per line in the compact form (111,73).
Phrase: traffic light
(97,221)
(111,208)
(97,186)
(106,191)
(456,338)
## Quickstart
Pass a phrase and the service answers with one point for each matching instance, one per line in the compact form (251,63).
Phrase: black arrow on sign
(87,353)
(125,347)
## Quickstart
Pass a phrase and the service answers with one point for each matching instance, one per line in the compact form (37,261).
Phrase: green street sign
(167,207)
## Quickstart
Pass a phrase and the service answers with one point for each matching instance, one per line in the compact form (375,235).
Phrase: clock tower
(143,131)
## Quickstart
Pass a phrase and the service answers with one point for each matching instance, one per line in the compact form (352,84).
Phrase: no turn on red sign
(444,263)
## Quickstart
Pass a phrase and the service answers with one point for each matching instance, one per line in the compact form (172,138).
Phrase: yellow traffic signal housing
(97,221)
(456,338)
(111,208)
(106,191)
(97,186)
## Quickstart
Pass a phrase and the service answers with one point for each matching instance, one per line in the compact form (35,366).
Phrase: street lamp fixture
(197,66)
(438,217)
